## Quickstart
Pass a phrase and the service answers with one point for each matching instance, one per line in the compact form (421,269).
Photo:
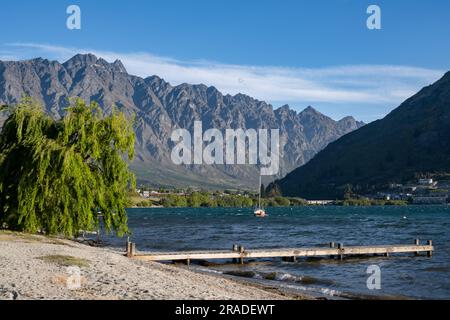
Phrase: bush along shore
(199,199)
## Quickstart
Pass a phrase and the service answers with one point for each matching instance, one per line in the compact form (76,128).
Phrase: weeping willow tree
(57,176)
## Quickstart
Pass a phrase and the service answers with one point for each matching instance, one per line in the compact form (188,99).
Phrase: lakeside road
(36,267)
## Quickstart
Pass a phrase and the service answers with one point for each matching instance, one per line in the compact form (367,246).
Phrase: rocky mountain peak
(347,118)
(284,108)
(285,111)
(119,67)
(160,107)
(309,110)
(81,59)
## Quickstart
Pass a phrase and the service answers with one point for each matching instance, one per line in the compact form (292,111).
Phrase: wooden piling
(127,248)
(332,245)
(241,251)
(430,253)
(98,229)
(341,248)
(131,248)
(234,249)
(289,259)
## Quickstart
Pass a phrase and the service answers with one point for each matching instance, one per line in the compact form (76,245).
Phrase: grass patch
(65,261)
(7,235)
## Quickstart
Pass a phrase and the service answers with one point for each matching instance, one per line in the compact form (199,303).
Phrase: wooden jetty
(239,253)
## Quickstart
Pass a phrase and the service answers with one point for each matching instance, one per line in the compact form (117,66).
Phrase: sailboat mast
(259,196)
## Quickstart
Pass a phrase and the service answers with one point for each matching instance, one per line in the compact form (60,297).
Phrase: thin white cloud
(353,84)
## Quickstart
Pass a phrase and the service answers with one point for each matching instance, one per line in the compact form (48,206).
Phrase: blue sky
(317,53)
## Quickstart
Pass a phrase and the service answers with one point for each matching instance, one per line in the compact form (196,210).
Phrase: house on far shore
(431,198)
(146,194)
(383,196)
(319,202)
(427,182)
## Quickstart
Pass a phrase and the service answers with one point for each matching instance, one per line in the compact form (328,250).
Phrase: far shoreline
(303,206)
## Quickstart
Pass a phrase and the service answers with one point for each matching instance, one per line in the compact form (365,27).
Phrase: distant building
(319,202)
(431,198)
(426,182)
(382,196)
(409,189)
(146,194)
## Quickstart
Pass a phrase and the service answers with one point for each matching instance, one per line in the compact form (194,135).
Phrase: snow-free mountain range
(160,107)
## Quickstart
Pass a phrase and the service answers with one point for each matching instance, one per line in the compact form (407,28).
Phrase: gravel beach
(38,267)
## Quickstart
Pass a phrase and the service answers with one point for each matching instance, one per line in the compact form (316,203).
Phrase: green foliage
(195,200)
(55,176)
(204,199)
(146,203)
(235,201)
(174,200)
(282,202)
(297,202)
(371,202)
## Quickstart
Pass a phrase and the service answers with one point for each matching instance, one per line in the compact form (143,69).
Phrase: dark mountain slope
(413,139)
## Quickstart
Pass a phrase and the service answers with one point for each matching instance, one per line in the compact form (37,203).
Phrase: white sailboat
(259,211)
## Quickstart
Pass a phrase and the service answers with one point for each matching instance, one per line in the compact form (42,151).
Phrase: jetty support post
(235,248)
(416,242)
(131,249)
(430,253)
(332,245)
(241,251)
(289,259)
(341,248)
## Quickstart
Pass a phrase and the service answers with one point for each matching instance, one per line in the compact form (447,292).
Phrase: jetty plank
(284,252)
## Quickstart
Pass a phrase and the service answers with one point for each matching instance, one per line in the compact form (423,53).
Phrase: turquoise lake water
(165,229)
